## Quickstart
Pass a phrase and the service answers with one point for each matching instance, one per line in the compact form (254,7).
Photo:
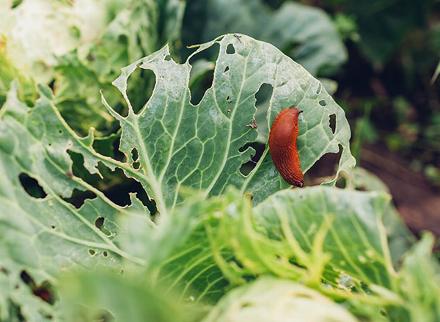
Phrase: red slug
(282,146)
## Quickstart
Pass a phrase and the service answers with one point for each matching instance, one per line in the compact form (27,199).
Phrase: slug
(282,146)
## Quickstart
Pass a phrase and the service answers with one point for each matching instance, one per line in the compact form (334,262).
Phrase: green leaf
(178,253)
(399,237)
(303,32)
(420,282)
(41,233)
(356,239)
(330,239)
(277,300)
(204,146)
(87,296)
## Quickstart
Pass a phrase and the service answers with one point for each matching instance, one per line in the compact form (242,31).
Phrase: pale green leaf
(400,239)
(277,300)
(355,239)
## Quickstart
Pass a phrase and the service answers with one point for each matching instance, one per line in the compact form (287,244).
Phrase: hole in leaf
(78,197)
(342,182)
(92,252)
(332,122)
(115,185)
(120,193)
(248,166)
(262,100)
(109,146)
(199,87)
(168,57)
(31,186)
(43,291)
(324,168)
(322,103)
(53,226)
(139,93)
(99,222)
(104,253)
(263,95)
(134,154)
(26,278)
(136,165)
(230,49)
(318,89)
(226,69)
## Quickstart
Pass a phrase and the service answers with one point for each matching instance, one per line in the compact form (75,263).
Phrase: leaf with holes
(205,146)
(42,233)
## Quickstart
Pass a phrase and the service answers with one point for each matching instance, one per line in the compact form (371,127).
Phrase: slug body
(282,146)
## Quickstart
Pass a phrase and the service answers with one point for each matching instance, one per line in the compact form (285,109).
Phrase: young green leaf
(330,239)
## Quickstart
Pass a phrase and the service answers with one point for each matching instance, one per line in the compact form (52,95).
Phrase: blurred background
(378,58)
